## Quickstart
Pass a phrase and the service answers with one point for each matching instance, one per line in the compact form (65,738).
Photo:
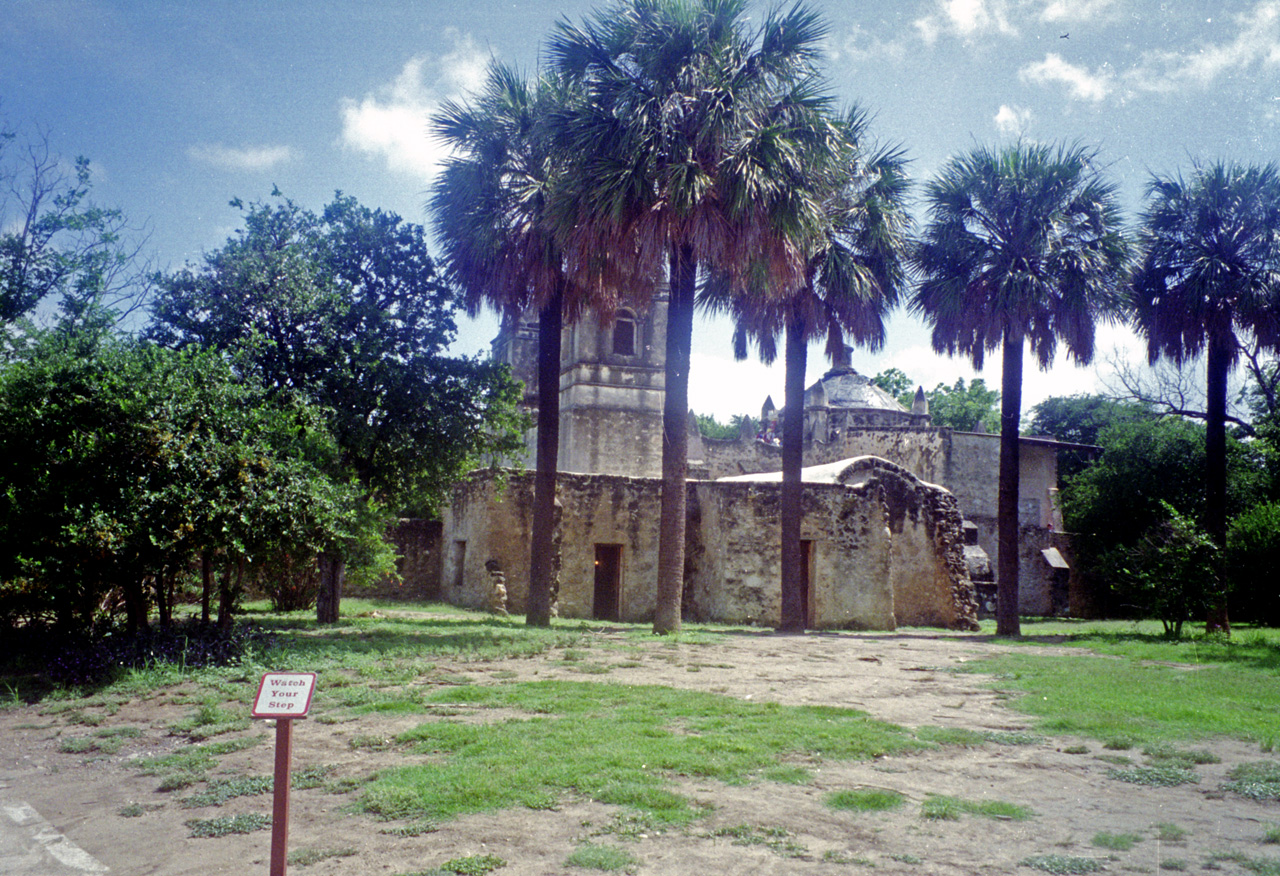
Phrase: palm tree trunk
(791,509)
(675,441)
(1215,505)
(1007,623)
(542,549)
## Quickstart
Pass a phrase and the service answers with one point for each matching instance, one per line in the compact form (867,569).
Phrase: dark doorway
(806,582)
(607,604)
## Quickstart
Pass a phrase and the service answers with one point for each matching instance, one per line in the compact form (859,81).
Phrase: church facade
(897,513)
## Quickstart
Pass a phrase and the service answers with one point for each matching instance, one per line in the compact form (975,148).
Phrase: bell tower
(612,381)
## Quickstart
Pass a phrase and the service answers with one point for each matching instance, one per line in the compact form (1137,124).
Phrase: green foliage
(1080,419)
(710,427)
(590,856)
(228,824)
(940,807)
(307,856)
(347,309)
(1163,776)
(1253,556)
(123,462)
(1147,468)
(222,790)
(613,743)
(865,800)
(55,244)
(1166,573)
(1063,864)
(895,382)
(1258,780)
(965,407)
(1116,842)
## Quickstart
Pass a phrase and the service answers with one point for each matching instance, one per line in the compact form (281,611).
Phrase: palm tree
(1022,247)
(852,279)
(677,136)
(489,207)
(1209,270)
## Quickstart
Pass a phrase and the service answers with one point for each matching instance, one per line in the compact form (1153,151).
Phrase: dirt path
(901,678)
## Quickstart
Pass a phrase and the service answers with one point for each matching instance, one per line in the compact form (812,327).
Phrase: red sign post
(284,696)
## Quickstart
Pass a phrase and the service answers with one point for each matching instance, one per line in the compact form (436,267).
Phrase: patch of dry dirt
(901,678)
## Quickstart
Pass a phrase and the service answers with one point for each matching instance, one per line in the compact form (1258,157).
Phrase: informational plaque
(284,695)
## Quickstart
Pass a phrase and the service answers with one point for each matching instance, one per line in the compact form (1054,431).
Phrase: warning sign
(284,695)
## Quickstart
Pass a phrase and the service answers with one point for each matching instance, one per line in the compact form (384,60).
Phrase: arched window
(624,334)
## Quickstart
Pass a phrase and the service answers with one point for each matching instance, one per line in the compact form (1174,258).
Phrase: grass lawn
(1119,683)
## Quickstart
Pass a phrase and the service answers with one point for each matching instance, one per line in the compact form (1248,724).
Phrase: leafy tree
(964,407)
(1022,246)
(124,462)
(1164,573)
(55,244)
(1148,466)
(1253,555)
(1210,272)
(1080,419)
(346,309)
(895,382)
(490,208)
(679,143)
(710,427)
(852,279)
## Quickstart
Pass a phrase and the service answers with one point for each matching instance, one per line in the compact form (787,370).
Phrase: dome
(845,389)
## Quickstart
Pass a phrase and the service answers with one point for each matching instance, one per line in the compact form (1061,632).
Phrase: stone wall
(489,519)
(966,463)
(886,550)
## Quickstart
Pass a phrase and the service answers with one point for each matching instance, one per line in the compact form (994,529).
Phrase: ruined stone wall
(603,509)
(488,522)
(487,519)
(417,544)
(921,451)
(973,475)
(885,551)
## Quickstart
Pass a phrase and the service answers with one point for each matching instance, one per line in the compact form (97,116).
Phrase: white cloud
(244,158)
(967,19)
(393,123)
(1080,83)
(1255,48)
(1012,120)
(1076,10)
(859,47)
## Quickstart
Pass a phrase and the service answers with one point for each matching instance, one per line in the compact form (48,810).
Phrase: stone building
(886,500)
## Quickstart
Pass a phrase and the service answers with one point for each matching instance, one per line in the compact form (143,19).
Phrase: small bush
(865,800)
(1258,780)
(1116,842)
(1252,557)
(1164,574)
(590,856)
(937,807)
(1155,776)
(228,824)
(219,792)
(306,857)
(1064,864)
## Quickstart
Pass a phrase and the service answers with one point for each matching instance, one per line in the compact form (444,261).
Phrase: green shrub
(1253,555)
(865,800)
(1165,575)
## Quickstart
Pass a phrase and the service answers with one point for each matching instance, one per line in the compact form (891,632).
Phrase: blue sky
(182,106)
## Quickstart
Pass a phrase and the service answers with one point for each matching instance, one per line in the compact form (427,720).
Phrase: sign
(284,695)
